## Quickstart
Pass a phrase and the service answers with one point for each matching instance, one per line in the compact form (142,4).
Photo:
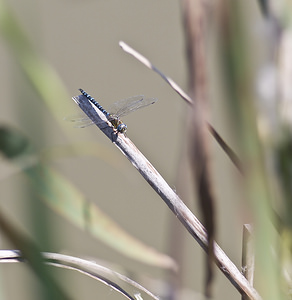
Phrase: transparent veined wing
(81,121)
(125,106)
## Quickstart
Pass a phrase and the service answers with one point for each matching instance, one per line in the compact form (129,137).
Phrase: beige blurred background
(80,40)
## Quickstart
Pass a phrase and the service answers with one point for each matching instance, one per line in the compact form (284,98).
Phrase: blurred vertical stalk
(38,74)
(247,260)
(196,16)
(241,56)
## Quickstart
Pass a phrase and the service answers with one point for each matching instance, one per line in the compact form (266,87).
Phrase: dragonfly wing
(81,121)
(126,106)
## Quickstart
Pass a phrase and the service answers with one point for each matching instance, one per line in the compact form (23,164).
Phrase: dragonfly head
(122,128)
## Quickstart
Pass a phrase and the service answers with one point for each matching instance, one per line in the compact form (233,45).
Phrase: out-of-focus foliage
(255,46)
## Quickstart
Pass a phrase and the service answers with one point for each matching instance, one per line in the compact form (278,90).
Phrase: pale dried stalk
(89,268)
(230,153)
(181,211)
(248,257)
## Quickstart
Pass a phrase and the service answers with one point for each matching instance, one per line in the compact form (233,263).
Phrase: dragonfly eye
(122,128)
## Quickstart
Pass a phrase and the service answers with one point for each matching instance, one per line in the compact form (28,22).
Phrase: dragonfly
(119,109)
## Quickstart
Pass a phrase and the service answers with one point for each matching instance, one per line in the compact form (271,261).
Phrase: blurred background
(50,49)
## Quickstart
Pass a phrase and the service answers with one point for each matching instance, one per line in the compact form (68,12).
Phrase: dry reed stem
(172,200)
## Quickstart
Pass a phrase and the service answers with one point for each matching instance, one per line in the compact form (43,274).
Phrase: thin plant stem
(86,267)
(172,200)
(146,62)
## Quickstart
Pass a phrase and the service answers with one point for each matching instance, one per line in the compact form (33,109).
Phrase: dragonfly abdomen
(93,101)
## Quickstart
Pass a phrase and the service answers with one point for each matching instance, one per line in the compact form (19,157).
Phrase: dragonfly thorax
(119,125)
